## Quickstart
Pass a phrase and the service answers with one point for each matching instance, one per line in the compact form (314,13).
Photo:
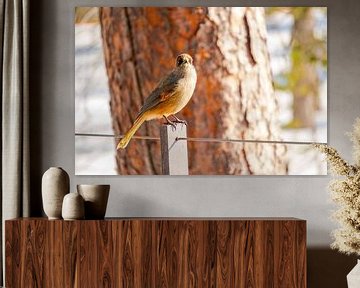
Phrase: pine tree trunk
(305,75)
(234,96)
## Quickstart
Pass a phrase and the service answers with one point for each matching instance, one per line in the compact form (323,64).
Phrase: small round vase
(96,198)
(54,186)
(73,207)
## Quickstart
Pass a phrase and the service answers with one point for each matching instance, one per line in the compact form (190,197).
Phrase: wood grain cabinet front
(161,252)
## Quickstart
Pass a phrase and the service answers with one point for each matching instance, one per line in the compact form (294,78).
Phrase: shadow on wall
(137,206)
(328,268)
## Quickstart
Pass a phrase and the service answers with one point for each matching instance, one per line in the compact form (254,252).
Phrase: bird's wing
(163,90)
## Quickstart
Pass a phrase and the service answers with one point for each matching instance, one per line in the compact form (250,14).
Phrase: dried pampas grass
(345,191)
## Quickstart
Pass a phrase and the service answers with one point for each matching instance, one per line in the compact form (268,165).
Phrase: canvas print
(200,90)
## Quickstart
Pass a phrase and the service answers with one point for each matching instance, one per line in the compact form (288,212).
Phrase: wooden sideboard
(156,252)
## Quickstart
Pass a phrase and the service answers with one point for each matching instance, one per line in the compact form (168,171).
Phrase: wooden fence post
(174,153)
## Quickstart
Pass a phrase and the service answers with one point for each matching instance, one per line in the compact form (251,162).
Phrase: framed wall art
(200,90)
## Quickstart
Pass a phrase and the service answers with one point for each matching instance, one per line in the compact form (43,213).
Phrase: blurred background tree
(234,97)
(86,15)
(308,55)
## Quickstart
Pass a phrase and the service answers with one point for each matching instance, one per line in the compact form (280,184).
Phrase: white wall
(52,122)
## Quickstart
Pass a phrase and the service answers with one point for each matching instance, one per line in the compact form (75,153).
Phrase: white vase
(353,278)
(54,186)
(95,197)
(73,207)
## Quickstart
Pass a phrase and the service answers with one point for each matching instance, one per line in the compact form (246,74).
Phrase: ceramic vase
(55,185)
(73,207)
(96,198)
(353,278)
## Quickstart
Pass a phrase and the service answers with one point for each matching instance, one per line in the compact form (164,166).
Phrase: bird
(170,96)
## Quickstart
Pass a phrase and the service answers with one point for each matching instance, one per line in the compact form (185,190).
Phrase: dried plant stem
(345,191)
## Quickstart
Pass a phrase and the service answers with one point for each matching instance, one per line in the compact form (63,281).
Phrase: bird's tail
(127,137)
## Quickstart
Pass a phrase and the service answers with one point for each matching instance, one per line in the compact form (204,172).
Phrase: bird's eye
(180,61)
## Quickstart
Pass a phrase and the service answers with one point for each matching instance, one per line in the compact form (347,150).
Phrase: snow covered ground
(96,155)
(93,155)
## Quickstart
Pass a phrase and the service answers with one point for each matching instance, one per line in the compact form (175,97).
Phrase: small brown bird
(170,96)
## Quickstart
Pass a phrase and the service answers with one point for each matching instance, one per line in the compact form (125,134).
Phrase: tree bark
(234,96)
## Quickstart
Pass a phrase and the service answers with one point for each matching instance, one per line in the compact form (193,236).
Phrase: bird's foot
(172,124)
(177,120)
(168,122)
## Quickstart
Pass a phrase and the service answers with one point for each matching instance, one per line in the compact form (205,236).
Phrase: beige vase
(353,278)
(73,207)
(54,186)
(96,198)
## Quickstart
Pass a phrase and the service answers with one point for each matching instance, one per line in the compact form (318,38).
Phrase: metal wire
(115,136)
(195,139)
